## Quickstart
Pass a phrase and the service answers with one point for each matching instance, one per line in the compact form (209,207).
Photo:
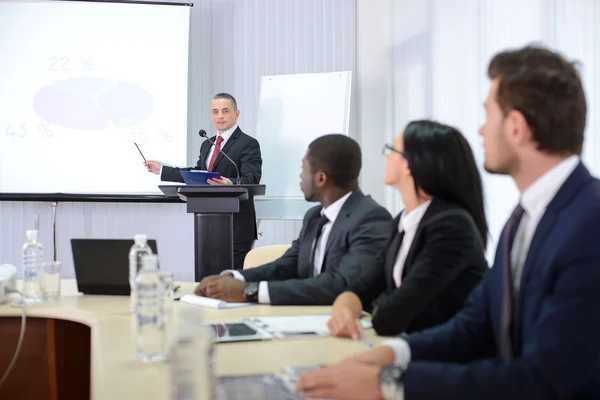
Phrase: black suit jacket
(245,151)
(358,234)
(444,263)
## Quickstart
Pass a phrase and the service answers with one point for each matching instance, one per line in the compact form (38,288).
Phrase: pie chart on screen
(93,103)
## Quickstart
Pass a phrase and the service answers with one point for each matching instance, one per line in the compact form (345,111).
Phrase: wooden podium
(213,208)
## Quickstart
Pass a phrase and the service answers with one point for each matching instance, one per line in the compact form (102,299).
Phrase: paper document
(211,303)
(299,324)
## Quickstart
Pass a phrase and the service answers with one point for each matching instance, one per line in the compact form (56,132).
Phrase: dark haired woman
(435,255)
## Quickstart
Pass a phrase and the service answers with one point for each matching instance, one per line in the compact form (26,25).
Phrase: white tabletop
(118,374)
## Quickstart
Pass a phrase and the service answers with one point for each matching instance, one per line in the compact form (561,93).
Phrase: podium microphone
(203,134)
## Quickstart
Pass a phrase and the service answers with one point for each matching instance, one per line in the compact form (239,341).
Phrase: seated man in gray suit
(339,238)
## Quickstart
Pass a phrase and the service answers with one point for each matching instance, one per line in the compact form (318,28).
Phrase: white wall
(238,41)
(374,111)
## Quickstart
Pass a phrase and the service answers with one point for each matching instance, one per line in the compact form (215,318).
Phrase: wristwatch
(390,380)
(251,292)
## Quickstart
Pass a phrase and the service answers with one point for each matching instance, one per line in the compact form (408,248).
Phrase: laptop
(102,265)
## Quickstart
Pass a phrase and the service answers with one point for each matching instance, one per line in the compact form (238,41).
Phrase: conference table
(81,347)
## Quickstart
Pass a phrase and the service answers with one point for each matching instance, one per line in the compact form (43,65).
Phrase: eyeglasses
(387,149)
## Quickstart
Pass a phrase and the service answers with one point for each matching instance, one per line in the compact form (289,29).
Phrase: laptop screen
(102,265)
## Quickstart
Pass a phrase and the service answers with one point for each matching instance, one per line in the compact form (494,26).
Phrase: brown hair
(547,90)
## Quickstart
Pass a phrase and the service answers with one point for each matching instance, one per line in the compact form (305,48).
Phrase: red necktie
(216,152)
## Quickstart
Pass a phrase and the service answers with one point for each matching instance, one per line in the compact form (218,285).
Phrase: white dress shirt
(535,200)
(332,213)
(409,222)
(226,135)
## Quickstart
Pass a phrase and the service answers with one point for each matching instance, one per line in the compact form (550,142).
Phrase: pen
(298,333)
(368,344)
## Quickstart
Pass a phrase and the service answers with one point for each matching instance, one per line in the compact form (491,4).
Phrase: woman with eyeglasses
(435,255)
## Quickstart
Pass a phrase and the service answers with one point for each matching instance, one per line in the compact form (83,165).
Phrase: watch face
(391,373)
(251,291)
(389,381)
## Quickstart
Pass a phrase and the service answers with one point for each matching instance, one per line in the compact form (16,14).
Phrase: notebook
(298,324)
(211,303)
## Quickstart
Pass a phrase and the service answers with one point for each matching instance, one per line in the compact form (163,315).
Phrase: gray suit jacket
(359,232)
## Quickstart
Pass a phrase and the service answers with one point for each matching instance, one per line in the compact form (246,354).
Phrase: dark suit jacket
(357,235)
(444,263)
(556,328)
(245,151)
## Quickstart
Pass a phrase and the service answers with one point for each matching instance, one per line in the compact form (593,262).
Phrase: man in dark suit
(338,239)
(530,329)
(244,150)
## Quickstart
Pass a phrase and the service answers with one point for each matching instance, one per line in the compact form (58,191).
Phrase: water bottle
(139,250)
(149,311)
(32,257)
(191,359)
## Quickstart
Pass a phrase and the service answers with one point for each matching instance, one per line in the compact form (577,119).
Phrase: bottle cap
(140,239)
(32,234)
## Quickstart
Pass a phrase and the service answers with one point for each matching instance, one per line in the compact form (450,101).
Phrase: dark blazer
(556,324)
(357,235)
(245,151)
(444,263)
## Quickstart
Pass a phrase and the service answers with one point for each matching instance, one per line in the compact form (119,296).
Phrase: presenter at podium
(244,150)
